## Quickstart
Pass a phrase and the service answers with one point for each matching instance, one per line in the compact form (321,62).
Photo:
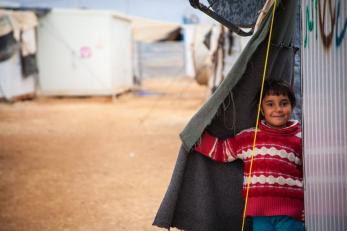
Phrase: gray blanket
(199,196)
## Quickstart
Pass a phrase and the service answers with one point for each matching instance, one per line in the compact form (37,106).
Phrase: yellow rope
(258,114)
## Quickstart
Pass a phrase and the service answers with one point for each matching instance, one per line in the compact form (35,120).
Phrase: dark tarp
(8,46)
(204,195)
(240,13)
(297,65)
(29,65)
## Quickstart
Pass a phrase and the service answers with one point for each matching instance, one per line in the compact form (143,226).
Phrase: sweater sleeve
(217,149)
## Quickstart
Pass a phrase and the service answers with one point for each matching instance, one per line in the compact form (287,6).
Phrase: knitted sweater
(276,186)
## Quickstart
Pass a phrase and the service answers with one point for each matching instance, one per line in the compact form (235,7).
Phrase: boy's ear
(261,111)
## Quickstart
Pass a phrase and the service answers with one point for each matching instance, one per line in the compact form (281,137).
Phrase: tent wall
(121,54)
(84,52)
(324,72)
(12,82)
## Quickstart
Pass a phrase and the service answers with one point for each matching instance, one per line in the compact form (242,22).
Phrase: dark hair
(279,87)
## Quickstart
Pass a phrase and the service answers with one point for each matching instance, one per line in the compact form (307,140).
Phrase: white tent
(14,80)
(84,52)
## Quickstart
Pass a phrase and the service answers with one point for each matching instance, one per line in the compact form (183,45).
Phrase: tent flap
(243,80)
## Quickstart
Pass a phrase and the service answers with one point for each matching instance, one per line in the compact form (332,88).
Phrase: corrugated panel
(324,73)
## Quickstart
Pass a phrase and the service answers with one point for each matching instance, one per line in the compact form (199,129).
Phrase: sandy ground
(92,163)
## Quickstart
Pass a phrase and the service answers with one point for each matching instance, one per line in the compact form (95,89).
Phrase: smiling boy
(275,200)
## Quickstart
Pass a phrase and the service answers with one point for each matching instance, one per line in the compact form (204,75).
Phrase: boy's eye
(269,104)
(283,104)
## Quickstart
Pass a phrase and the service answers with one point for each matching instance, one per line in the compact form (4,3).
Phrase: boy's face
(277,110)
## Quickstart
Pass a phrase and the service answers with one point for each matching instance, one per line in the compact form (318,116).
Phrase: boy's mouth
(277,116)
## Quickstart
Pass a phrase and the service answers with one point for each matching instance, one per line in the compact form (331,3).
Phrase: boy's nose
(279,108)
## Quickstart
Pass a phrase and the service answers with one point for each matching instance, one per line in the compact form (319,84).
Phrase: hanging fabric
(204,195)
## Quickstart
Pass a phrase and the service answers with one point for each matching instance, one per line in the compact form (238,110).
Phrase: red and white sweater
(276,186)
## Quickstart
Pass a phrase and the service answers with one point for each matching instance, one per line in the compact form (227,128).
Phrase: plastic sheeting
(324,56)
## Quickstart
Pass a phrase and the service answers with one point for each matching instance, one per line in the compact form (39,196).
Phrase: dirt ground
(73,164)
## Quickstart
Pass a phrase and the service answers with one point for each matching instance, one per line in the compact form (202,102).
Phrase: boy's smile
(277,110)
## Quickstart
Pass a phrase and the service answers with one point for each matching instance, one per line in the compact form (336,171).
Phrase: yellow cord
(258,114)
